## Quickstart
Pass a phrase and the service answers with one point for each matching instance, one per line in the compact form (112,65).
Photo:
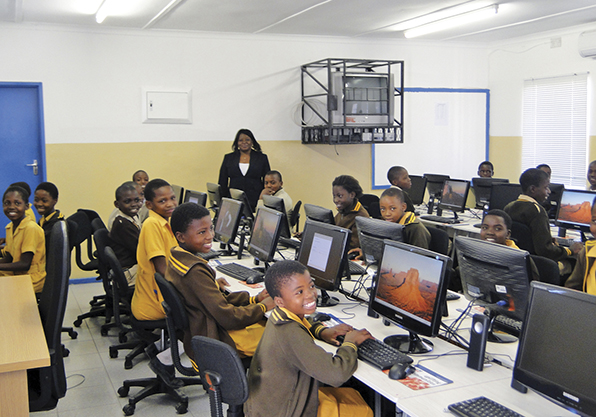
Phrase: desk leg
(377,411)
(14,394)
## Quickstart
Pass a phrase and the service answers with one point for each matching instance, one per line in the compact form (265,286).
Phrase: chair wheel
(73,334)
(181,408)
(128,364)
(65,352)
(128,410)
(123,392)
(103,331)
(113,353)
(122,338)
(77,323)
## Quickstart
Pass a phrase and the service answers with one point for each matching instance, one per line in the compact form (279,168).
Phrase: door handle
(35,166)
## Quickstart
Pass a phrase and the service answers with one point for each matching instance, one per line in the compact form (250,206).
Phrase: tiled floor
(93,378)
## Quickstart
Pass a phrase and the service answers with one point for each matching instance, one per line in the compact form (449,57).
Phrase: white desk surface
(492,382)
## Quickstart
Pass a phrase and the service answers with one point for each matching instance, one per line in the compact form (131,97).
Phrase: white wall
(92,80)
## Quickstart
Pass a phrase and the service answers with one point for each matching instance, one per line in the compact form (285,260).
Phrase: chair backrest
(97,223)
(547,269)
(215,357)
(102,240)
(295,216)
(118,279)
(367,199)
(374,210)
(83,233)
(523,236)
(439,241)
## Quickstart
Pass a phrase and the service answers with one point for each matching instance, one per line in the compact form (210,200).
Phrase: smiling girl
(346,191)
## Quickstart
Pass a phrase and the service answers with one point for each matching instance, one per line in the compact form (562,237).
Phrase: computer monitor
(196,197)
(555,356)
(319,214)
(434,183)
(214,194)
(551,205)
(372,232)
(496,277)
(416,191)
(503,194)
(454,196)
(575,210)
(409,290)
(277,203)
(265,234)
(228,220)
(241,196)
(324,251)
(482,189)
(178,192)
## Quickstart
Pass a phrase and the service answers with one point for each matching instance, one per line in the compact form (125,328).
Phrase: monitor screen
(277,203)
(228,220)
(196,197)
(503,194)
(455,194)
(372,232)
(324,251)
(214,194)
(265,234)
(495,276)
(319,214)
(416,191)
(409,289)
(434,183)
(556,355)
(575,209)
(482,188)
(178,192)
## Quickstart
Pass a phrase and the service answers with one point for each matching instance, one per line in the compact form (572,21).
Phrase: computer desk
(22,345)
(493,382)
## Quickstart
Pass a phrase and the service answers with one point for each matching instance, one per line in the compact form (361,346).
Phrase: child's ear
(404,206)
(149,204)
(180,237)
(116,204)
(279,302)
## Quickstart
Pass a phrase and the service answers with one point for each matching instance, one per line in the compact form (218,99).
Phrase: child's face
(342,198)
(272,183)
(198,237)
(392,209)
(14,206)
(164,202)
(403,181)
(547,170)
(541,192)
(494,229)
(298,295)
(485,171)
(43,202)
(141,178)
(129,202)
(592,175)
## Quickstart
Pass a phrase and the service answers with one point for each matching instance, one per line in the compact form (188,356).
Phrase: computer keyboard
(508,325)
(451,296)
(209,255)
(481,407)
(355,268)
(440,219)
(290,243)
(380,354)
(240,272)
(564,241)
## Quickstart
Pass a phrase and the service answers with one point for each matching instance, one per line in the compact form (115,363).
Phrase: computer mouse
(401,370)
(255,279)
(321,317)
(352,256)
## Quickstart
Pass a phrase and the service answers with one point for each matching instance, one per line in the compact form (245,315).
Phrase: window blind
(555,127)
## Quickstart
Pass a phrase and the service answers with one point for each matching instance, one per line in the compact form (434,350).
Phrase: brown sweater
(284,375)
(347,220)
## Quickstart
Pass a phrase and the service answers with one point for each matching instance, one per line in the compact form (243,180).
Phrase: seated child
(546,169)
(141,178)
(273,186)
(25,251)
(527,210)
(592,176)
(235,318)
(583,277)
(29,213)
(44,200)
(399,177)
(288,366)
(126,228)
(346,191)
(393,209)
(486,169)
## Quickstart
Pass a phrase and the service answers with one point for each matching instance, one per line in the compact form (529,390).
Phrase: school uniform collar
(511,244)
(182,260)
(45,219)
(162,222)
(591,249)
(354,208)
(280,315)
(525,197)
(407,218)
(134,220)
(21,226)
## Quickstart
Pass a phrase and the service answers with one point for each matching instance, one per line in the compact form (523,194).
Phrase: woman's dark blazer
(230,175)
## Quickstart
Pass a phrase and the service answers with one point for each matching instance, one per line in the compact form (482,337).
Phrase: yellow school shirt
(29,213)
(28,237)
(156,239)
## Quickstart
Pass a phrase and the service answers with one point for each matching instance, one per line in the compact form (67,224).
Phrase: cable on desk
(433,357)
(281,254)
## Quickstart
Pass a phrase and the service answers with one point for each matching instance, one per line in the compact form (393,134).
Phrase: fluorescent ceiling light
(439,15)
(454,21)
(102,12)
(118,8)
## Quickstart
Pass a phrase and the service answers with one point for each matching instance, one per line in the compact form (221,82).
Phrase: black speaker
(478,336)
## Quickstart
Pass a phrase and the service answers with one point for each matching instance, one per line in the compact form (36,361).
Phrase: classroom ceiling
(345,18)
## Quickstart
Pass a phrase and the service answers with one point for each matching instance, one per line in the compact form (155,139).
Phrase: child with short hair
(25,251)
(274,187)
(142,178)
(288,366)
(546,168)
(235,318)
(398,177)
(29,213)
(45,200)
(126,228)
(583,277)
(346,191)
(592,176)
(393,209)
(486,169)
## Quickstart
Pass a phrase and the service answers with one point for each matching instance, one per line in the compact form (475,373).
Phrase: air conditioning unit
(587,44)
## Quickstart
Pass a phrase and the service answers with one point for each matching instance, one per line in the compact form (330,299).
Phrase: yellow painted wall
(505,154)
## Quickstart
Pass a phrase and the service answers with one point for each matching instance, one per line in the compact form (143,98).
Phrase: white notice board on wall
(445,132)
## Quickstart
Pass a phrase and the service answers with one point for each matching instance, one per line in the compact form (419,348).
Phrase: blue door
(22,141)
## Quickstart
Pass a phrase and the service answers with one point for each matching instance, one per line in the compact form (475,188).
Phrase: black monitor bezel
(319,214)
(277,203)
(512,189)
(417,190)
(202,197)
(214,194)
(413,325)
(372,233)
(459,208)
(434,183)
(341,258)
(482,187)
(240,195)
(178,192)
(566,224)
(236,221)
(266,254)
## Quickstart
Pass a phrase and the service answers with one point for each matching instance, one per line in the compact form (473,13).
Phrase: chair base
(137,347)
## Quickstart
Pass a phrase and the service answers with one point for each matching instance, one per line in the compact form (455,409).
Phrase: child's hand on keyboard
(330,334)
(357,336)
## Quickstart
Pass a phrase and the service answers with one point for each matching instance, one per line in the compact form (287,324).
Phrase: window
(555,130)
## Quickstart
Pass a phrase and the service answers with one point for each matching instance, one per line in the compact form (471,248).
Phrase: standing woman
(245,168)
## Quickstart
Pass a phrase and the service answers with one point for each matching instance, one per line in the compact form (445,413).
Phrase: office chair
(223,374)
(47,385)
(523,236)
(102,241)
(548,270)
(439,241)
(295,217)
(374,210)
(97,223)
(367,199)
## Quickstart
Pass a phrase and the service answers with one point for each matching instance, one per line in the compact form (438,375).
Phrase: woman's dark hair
(349,183)
(255,145)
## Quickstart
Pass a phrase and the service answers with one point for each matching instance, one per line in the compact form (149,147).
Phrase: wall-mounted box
(167,106)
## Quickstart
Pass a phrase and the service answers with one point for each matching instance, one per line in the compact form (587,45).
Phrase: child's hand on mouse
(358,336)
(355,254)
(330,334)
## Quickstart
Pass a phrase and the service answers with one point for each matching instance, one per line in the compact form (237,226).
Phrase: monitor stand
(410,344)
(500,337)
(325,300)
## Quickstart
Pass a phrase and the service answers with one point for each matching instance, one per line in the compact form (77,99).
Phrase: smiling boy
(274,187)
(45,199)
